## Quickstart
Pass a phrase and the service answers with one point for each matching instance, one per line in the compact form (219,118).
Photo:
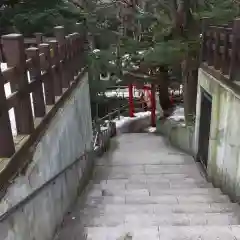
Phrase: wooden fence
(45,72)
(220,48)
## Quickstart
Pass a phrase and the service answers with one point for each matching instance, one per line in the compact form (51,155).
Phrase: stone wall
(68,137)
(224,143)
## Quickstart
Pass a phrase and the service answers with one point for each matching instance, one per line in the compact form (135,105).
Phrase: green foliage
(166,53)
(168,47)
(33,16)
(219,10)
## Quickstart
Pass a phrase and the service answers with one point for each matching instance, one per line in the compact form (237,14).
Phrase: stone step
(162,233)
(151,191)
(168,185)
(148,219)
(172,199)
(138,179)
(162,208)
(148,169)
(183,191)
(163,169)
(133,176)
(165,199)
(198,232)
(141,185)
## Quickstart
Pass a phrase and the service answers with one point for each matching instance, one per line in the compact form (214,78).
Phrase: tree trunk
(190,80)
(163,90)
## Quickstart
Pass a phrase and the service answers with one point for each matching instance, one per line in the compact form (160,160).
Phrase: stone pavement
(145,189)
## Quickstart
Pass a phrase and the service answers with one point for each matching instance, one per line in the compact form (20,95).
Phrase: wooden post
(131,104)
(13,47)
(225,54)
(153,103)
(210,42)
(48,79)
(68,59)
(57,75)
(78,53)
(204,47)
(60,36)
(71,55)
(80,42)
(234,64)
(35,75)
(74,52)
(39,38)
(217,54)
(7,148)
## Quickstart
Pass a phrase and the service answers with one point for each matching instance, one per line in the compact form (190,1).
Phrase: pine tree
(33,16)
(170,34)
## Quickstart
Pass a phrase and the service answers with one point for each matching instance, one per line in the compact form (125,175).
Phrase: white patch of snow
(151,129)
(127,120)
(178,115)
(103,128)
(123,92)
(96,51)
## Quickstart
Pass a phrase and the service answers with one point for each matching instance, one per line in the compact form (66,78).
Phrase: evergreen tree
(30,16)
(170,37)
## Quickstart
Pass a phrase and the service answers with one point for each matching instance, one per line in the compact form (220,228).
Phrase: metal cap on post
(13,47)
(7,148)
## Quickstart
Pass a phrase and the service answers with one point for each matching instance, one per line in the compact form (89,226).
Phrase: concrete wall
(224,143)
(68,136)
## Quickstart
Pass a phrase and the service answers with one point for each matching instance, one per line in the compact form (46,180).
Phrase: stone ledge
(178,134)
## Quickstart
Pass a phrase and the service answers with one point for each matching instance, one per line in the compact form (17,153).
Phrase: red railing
(220,48)
(41,73)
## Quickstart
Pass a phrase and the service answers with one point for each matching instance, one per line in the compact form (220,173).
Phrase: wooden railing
(220,48)
(44,72)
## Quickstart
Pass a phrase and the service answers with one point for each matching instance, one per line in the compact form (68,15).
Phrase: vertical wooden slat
(75,51)
(60,36)
(13,47)
(217,55)
(7,148)
(48,80)
(35,74)
(204,47)
(70,56)
(225,56)
(233,70)
(79,52)
(72,52)
(210,43)
(57,75)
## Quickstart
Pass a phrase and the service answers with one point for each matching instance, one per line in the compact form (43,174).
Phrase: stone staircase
(144,189)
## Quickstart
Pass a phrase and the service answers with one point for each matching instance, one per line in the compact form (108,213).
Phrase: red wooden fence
(53,66)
